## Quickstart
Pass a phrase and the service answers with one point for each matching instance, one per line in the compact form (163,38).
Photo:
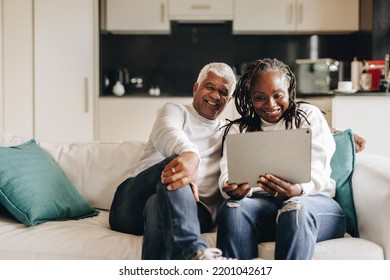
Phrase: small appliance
(317,76)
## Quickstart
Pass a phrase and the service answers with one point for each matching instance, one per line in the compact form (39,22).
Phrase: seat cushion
(347,248)
(86,239)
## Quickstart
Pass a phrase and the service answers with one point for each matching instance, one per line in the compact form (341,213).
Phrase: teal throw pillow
(35,190)
(343,166)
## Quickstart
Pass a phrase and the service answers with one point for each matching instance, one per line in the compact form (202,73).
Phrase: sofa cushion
(343,165)
(84,239)
(95,168)
(35,190)
(347,248)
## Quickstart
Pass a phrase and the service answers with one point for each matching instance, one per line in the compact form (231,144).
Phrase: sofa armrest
(371,193)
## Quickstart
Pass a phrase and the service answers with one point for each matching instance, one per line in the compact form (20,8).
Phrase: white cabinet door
(327,15)
(130,118)
(1,68)
(17,67)
(200,10)
(65,55)
(137,16)
(133,118)
(366,116)
(299,16)
(268,16)
(324,103)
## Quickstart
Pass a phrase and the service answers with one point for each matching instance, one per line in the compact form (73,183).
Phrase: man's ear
(195,88)
(230,98)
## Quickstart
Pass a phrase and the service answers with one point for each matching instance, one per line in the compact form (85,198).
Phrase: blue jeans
(295,225)
(171,221)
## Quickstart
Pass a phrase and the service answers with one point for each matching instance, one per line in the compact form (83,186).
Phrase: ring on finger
(276,194)
(173,170)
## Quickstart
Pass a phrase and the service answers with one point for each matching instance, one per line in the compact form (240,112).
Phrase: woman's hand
(236,191)
(278,188)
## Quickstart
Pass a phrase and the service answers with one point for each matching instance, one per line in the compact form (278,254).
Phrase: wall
(173,61)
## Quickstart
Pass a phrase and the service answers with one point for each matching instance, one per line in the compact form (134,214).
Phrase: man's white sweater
(180,128)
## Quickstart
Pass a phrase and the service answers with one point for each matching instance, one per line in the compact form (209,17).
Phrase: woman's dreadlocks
(249,120)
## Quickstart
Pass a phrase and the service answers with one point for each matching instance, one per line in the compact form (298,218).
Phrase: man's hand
(181,171)
(360,143)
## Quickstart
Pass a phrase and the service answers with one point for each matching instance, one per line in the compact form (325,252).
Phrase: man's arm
(167,134)
(169,139)
(360,142)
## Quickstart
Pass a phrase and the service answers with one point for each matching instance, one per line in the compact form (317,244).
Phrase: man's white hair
(222,70)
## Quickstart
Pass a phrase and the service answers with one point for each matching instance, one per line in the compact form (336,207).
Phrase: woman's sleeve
(323,148)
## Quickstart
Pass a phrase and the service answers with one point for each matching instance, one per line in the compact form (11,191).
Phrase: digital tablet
(284,153)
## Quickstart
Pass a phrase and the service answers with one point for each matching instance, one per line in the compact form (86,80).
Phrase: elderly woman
(295,216)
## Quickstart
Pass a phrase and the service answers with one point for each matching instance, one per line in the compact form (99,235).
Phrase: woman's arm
(323,148)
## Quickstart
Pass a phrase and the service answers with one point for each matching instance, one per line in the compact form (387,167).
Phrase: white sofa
(97,168)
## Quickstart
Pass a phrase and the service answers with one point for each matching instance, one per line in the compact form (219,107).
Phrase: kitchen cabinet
(137,16)
(298,16)
(49,68)
(17,112)
(324,103)
(200,10)
(1,68)
(366,115)
(133,117)
(65,68)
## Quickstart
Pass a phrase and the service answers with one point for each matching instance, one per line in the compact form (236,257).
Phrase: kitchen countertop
(365,93)
(306,95)
(333,94)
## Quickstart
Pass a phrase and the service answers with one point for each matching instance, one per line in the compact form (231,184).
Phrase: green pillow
(343,165)
(35,190)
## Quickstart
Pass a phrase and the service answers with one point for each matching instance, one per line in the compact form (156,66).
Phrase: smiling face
(211,96)
(270,96)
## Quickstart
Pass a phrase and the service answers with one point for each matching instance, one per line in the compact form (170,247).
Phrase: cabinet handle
(162,12)
(86,99)
(200,7)
(300,14)
(290,13)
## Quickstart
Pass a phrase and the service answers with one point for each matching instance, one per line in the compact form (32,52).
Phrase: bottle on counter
(365,78)
(356,70)
(385,79)
(154,91)
(118,89)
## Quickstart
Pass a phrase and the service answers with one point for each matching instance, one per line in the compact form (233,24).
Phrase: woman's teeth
(273,112)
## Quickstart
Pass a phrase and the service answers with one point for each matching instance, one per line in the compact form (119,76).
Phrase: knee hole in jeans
(289,205)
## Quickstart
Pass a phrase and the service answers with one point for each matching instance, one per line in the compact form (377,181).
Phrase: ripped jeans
(295,225)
